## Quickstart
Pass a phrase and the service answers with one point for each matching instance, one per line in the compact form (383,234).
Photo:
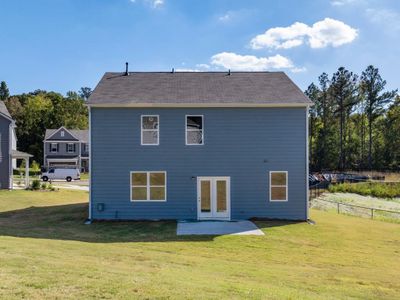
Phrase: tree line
(40,110)
(354,123)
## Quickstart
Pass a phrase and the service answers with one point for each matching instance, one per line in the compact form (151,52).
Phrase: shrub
(376,189)
(44,185)
(35,185)
(35,168)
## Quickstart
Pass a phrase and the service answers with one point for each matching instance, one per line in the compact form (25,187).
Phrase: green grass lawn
(84,176)
(47,252)
(376,189)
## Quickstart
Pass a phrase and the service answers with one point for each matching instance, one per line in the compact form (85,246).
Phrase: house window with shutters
(70,147)
(54,147)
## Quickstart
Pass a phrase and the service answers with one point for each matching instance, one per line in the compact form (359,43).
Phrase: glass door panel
(221,196)
(205,192)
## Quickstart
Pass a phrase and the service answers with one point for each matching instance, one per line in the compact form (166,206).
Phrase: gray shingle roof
(4,110)
(197,88)
(82,135)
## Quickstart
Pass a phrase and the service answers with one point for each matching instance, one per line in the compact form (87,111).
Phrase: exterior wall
(84,150)
(62,149)
(80,153)
(4,153)
(62,153)
(243,143)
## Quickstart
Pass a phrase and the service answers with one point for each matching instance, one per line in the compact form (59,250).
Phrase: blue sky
(63,45)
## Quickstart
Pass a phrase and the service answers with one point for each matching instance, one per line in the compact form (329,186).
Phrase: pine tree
(343,90)
(4,92)
(372,86)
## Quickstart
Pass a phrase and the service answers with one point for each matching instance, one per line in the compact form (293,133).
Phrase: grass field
(47,252)
(376,189)
(366,201)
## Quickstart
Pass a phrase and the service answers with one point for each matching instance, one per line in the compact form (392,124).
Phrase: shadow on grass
(66,222)
(265,224)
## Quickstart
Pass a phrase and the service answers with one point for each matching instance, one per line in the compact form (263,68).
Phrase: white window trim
(51,148)
(141,130)
(72,148)
(62,133)
(148,186)
(202,130)
(270,186)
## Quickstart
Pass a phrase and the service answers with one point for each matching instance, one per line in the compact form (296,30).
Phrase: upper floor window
(278,186)
(150,130)
(194,130)
(70,147)
(54,147)
(86,147)
(62,133)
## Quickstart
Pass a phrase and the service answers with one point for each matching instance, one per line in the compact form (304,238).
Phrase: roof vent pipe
(173,70)
(126,69)
(229,72)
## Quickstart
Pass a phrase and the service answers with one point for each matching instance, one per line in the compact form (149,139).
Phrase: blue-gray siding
(243,143)
(4,153)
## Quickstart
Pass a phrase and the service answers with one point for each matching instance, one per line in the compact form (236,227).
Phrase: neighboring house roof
(197,88)
(82,135)
(4,111)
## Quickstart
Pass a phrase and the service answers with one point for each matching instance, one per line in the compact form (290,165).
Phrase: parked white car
(61,174)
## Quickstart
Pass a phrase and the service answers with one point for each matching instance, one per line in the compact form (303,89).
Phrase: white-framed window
(149,125)
(53,147)
(62,133)
(86,149)
(70,148)
(194,129)
(148,186)
(278,186)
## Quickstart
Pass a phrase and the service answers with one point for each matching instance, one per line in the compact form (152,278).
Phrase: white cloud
(187,70)
(239,62)
(152,3)
(385,17)
(328,32)
(298,70)
(342,2)
(157,3)
(203,66)
(225,18)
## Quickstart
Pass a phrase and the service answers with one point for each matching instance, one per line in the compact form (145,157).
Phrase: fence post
(338,211)
(372,213)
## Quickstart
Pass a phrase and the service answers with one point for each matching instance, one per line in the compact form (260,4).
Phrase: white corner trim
(90,164)
(307,168)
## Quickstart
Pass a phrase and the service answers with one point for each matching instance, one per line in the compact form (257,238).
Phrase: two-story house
(8,150)
(66,148)
(198,145)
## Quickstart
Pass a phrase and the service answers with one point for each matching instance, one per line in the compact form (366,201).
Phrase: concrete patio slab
(218,228)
